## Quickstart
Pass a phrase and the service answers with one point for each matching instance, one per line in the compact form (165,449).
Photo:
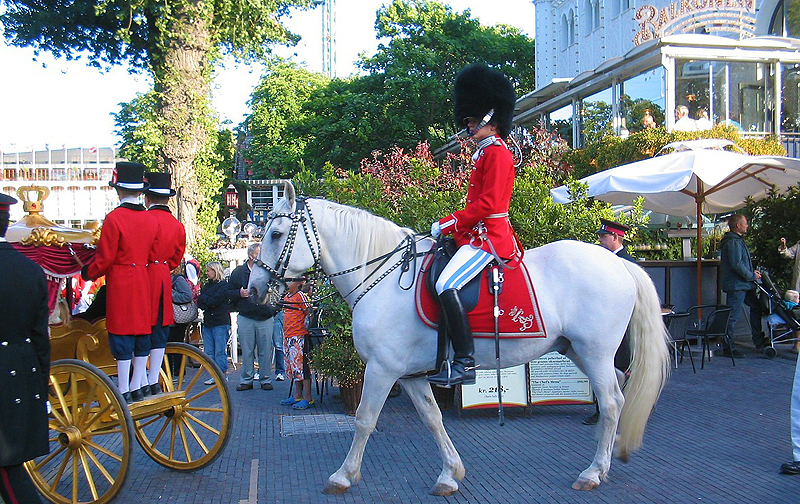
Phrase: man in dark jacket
(24,367)
(254,325)
(737,278)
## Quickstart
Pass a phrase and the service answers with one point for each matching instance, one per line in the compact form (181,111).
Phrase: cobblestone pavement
(718,436)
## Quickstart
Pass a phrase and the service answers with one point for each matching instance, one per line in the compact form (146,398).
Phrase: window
(596,14)
(587,21)
(571,21)
(564,33)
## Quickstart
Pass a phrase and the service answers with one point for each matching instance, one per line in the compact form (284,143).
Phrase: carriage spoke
(50,457)
(62,422)
(62,402)
(196,437)
(199,394)
(182,369)
(185,443)
(151,421)
(202,424)
(100,466)
(60,471)
(105,451)
(88,472)
(74,478)
(192,383)
(161,432)
(107,432)
(96,416)
(172,442)
(73,392)
(197,408)
(84,412)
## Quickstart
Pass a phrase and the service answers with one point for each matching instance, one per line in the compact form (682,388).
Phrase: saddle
(520,316)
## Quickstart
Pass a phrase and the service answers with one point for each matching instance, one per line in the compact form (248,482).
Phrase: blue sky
(59,103)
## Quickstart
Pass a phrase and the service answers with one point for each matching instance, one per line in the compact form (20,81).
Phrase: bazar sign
(688,16)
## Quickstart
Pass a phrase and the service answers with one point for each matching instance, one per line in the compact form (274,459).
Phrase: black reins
(407,245)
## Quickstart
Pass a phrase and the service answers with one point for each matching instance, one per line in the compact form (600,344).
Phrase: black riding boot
(462,369)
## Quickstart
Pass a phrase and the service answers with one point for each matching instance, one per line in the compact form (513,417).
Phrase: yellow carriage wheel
(91,433)
(191,434)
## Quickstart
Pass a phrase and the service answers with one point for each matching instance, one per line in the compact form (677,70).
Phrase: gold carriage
(91,428)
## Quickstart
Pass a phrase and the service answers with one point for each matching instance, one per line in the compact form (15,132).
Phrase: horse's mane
(368,235)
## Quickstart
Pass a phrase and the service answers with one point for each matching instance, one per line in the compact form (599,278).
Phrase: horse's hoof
(444,489)
(334,488)
(585,485)
(336,485)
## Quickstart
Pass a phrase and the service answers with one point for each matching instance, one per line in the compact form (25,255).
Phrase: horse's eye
(276,235)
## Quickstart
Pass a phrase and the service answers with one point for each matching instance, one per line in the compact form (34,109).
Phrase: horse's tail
(650,362)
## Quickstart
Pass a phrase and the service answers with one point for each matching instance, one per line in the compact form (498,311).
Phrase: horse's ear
(288,193)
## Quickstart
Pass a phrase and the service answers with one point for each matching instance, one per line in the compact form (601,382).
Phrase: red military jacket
(122,255)
(488,198)
(165,255)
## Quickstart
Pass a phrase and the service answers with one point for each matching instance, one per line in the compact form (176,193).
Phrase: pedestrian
(737,279)
(611,236)
(166,254)
(277,343)
(181,295)
(792,253)
(484,103)
(254,324)
(24,367)
(122,255)
(295,345)
(793,467)
(215,304)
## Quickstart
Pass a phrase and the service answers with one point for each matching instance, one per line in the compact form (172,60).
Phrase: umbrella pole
(699,201)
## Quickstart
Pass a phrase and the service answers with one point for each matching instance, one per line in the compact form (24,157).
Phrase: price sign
(483,394)
(557,380)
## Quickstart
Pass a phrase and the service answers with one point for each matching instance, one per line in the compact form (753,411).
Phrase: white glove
(436,229)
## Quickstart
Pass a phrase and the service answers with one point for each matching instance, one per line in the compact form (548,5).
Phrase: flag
(92,149)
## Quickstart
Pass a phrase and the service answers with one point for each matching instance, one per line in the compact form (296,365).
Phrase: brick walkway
(718,436)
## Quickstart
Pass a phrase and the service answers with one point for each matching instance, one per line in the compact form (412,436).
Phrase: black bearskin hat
(478,90)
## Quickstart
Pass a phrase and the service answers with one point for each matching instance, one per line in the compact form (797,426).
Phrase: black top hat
(479,89)
(611,227)
(6,201)
(160,183)
(129,176)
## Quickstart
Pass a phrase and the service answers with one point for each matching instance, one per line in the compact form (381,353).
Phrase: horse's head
(286,249)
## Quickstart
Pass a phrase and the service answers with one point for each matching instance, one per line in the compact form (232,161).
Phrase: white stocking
(139,372)
(156,359)
(124,375)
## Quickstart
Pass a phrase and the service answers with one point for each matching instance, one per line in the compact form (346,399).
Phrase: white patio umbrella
(694,180)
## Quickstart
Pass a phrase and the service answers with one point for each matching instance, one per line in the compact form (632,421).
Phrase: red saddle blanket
(519,312)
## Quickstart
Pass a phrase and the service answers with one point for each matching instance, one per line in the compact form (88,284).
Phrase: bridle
(408,246)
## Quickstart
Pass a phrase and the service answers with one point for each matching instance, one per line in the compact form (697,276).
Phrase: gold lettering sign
(696,16)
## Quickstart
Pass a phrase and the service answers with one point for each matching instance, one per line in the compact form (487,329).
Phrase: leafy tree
(142,140)
(770,219)
(406,96)
(277,103)
(176,41)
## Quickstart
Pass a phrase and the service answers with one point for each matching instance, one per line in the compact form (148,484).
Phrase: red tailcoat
(122,255)
(488,198)
(165,256)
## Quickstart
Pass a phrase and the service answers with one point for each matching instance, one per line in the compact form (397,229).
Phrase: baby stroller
(782,324)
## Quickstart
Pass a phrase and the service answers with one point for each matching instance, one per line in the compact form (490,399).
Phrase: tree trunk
(181,78)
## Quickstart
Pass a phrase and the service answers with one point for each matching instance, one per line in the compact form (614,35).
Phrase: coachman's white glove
(436,229)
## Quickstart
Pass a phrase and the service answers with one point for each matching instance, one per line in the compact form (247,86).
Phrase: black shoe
(127,397)
(137,395)
(736,353)
(244,386)
(155,388)
(266,386)
(460,372)
(791,467)
(591,420)
(145,390)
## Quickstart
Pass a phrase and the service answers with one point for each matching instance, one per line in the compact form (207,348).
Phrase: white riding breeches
(467,262)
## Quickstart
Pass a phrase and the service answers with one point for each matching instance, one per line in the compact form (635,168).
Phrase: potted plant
(336,357)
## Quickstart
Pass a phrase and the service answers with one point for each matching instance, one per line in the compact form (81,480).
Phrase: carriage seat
(83,340)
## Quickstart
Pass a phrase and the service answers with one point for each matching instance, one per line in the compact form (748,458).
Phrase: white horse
(587,296)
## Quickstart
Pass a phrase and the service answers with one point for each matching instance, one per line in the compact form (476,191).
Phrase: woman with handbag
(182,298)
(216,316)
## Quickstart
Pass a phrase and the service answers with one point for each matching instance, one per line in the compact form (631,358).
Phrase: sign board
(483,394)
(557,380)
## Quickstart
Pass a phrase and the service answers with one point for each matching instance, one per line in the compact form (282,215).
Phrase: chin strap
(484,122)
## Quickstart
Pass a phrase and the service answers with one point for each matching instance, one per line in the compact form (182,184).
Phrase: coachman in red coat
(484,103)
(165,255)
(122,256)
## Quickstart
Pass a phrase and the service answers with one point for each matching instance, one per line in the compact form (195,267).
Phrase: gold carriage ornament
(35,229)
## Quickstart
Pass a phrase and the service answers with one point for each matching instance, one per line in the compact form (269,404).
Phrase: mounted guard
(484,104)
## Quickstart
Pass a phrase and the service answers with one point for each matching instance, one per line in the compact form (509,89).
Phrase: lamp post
(231,226)
(232,198)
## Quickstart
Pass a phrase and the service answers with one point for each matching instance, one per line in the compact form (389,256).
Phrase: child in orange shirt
(296,306)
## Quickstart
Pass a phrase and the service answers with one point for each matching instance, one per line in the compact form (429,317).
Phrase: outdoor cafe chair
(708,322)
(676,325)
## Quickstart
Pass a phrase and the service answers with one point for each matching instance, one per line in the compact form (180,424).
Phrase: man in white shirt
(682,120)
